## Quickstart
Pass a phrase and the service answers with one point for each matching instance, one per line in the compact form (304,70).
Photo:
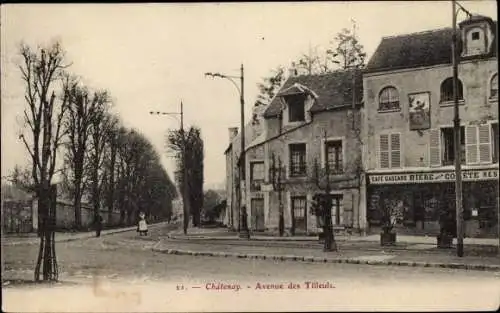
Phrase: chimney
(233,132)
(292,71)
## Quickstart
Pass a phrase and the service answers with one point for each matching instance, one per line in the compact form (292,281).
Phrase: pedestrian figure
(142,228)
(98,225)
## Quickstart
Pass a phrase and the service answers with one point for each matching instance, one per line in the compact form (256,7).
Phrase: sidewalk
(225,234)
(444,259)
(67,236)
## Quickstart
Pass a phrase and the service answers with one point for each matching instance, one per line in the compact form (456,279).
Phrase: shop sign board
(432,177)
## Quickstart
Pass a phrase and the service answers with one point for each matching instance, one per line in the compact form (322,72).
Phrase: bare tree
(99,128)
(46,103)
(82,110)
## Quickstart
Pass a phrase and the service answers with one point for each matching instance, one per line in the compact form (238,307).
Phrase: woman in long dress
(143,226)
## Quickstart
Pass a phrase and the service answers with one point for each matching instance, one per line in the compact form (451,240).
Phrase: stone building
(310,115)
(409,149)
(254,130)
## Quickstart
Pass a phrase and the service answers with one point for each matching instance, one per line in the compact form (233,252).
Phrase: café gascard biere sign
(432,177)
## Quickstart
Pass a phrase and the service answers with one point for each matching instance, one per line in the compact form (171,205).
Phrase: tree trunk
(77,202)
(46,255)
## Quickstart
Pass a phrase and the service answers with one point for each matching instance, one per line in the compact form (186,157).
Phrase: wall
(338,124)
(475,77)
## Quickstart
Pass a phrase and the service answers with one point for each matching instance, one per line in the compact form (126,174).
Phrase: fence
(22,216)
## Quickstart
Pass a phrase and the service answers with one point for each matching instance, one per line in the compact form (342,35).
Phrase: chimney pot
(233,132)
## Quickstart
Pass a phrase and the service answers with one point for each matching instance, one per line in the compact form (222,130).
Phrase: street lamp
(456,126)
(244,232)
(183,158)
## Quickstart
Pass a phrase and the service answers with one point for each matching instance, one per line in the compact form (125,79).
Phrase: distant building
(409,149)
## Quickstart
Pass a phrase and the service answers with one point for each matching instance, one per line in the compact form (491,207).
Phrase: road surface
(121,273)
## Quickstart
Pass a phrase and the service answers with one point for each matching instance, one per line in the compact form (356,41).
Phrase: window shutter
(484,143)
(384,151)
(471,154)
(435,147)
(395,150)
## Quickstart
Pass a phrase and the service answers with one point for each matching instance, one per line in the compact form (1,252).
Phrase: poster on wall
(420,113)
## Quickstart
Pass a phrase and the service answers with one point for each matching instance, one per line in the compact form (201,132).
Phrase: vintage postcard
(237,157)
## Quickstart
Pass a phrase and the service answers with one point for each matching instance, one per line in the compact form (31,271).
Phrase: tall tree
(46,95)
(194,163)
(82,110)
(111,161)
(99,125)
(346,50)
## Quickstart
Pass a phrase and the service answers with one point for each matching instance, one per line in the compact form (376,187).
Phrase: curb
(90,235)
(476,267)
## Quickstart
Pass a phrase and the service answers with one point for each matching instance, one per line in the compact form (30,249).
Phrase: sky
(150,57)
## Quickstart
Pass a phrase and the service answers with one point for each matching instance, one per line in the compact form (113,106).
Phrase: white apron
(143,226)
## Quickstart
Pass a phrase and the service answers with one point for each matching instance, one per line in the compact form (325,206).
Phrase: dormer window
(477,34)
(296,108)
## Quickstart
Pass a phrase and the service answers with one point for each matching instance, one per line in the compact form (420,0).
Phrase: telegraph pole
(456,125)
(184,174)
(330,244)
(184,187)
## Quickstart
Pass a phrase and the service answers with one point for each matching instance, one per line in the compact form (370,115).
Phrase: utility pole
(185,192)
(457,148)
(184,187)
(242,215)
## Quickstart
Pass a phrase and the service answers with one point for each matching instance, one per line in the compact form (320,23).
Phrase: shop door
(258,214)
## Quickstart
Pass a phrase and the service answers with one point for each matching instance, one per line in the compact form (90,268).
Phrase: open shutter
(384,151)
(395,150)
(435,147)
(471,144)
(484,143)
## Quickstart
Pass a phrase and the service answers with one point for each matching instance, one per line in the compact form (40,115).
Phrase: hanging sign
(432,177)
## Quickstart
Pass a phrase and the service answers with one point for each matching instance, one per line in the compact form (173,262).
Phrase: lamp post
(456,126)
(242,222)
(184,186)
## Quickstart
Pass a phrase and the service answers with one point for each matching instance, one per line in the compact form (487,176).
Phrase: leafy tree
(194,163)
(46,95)
(21,178)
(212,207)
(270,85)
(347,52)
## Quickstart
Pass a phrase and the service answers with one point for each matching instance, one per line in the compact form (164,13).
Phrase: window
(448,142)
(299,207)
(298,159)
(478,143)
(494,86)
(494,141)
(475,36)
(256,175)
(447,90)
(334,154)
(388,99)
(296,108)
(390,150)
(337,210)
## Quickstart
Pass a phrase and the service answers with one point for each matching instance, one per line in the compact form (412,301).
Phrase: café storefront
(422,196)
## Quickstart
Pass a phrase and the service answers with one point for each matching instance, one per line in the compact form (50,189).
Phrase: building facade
(311,117)
(409,110)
